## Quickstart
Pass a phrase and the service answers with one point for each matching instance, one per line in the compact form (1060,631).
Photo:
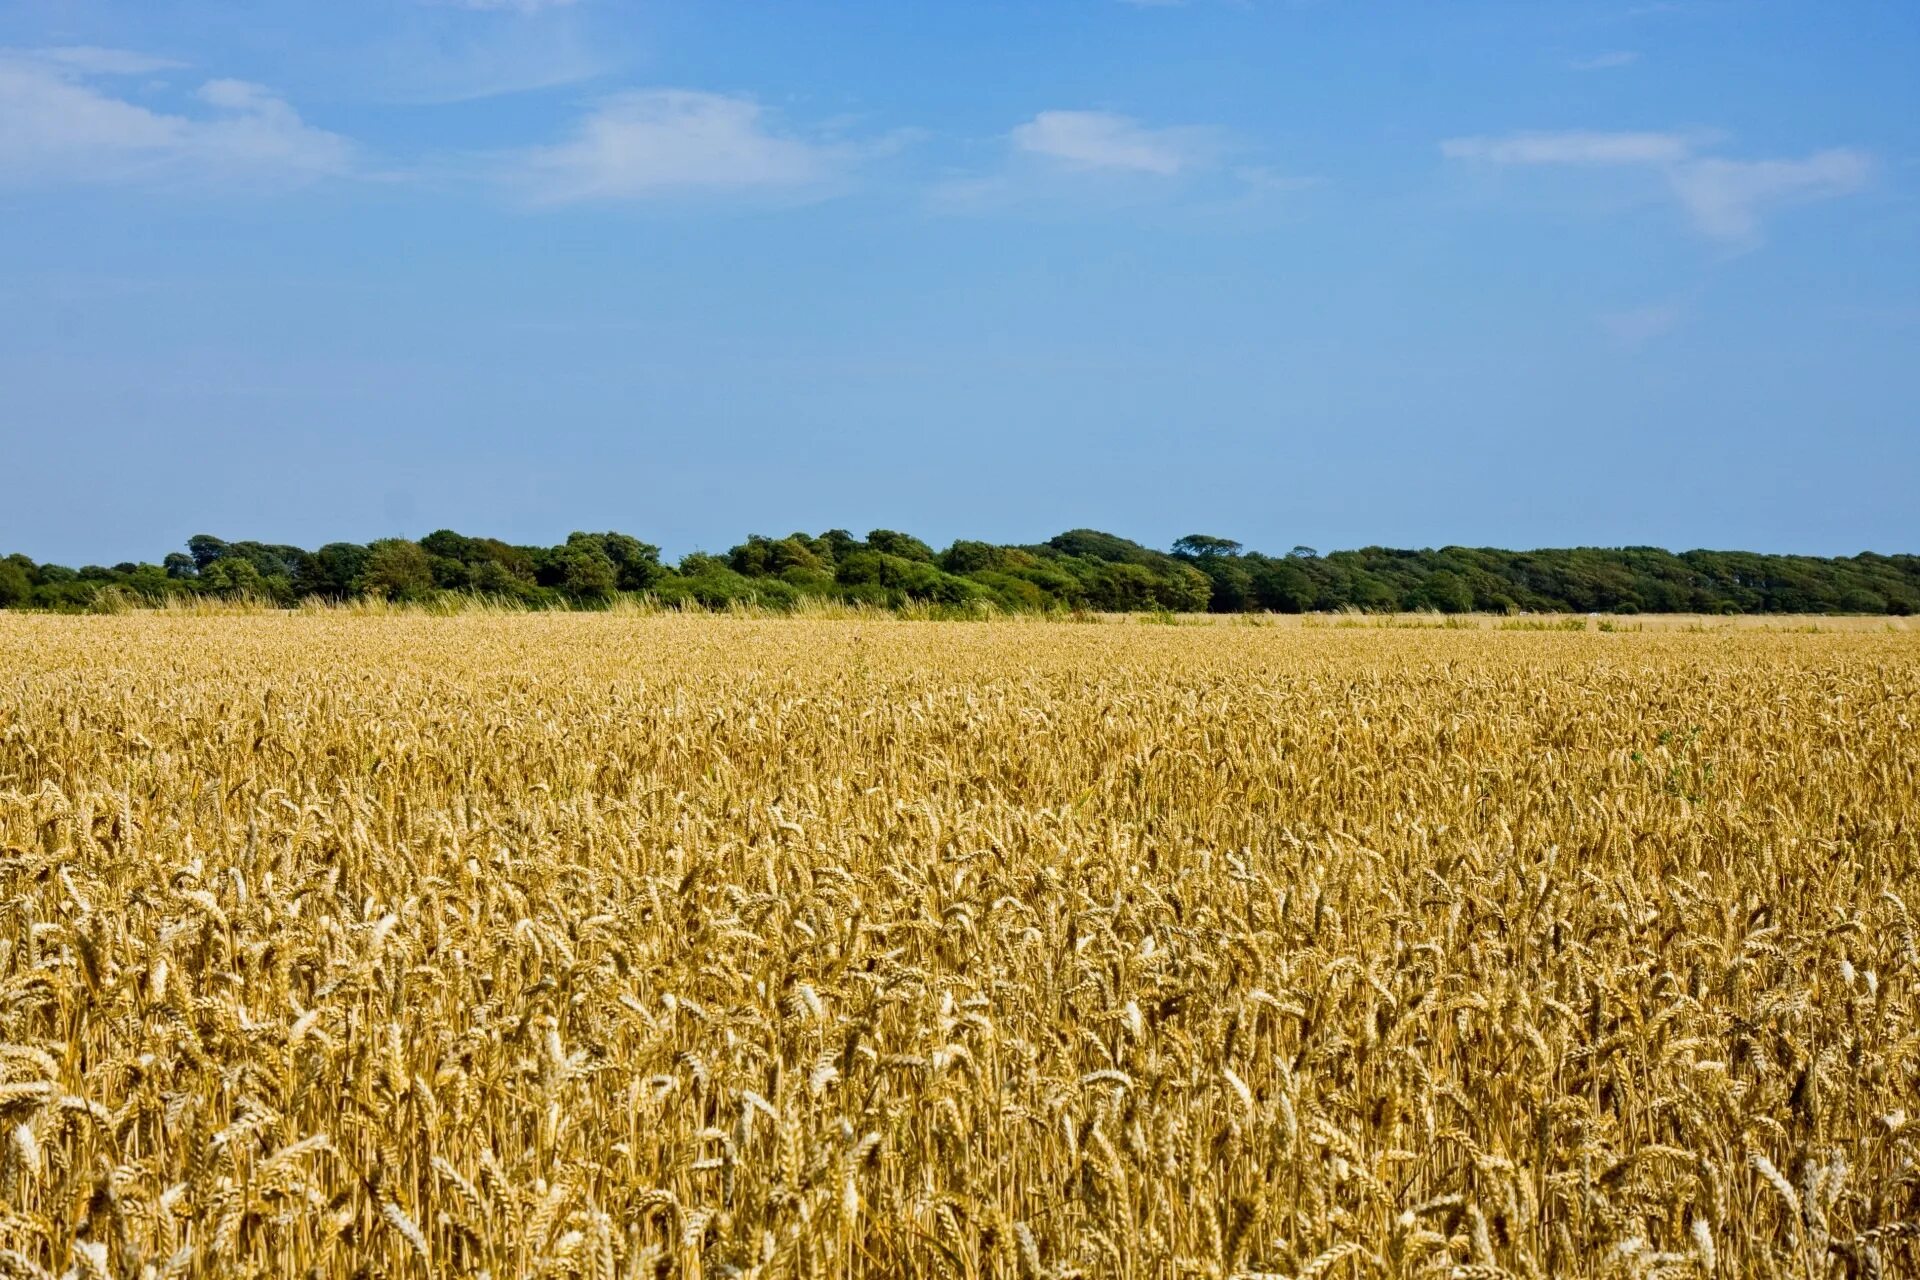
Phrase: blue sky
(1319,271)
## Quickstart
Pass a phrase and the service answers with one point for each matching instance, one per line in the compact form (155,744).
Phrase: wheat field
(576,945)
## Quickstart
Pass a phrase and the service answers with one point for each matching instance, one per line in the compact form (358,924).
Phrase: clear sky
(1534,273)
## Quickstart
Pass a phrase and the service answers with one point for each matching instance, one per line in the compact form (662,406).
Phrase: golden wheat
(543,945)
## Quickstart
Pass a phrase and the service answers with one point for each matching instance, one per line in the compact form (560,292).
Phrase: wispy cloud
(1069,159)
(1572,148)
(449,51)
(449,59)
(1635,327)
(504,6)
(89,59)
(654,143)
(58,126)
(1610,61)
(1102,140)
(1724,198)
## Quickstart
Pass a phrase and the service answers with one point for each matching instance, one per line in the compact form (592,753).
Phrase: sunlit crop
(602,946)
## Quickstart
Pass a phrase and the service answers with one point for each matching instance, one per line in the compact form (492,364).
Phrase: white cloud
(1260,177)
(55,127)
(506,6)
(1571,148)
(1637,326)
(1073,161)
(92,60)
(448,58)
(658,142)
(1723,198)
(1610,61)
(1102,140)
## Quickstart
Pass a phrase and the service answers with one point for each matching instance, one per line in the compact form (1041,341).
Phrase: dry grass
(621,945)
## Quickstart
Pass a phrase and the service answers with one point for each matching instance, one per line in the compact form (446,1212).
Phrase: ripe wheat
(607,946)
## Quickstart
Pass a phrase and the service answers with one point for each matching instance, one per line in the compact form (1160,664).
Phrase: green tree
(16,588)
(906,546)
(1091,544)
(1203,546)
(837,544)
(448,574)
(445,544)
(588,573)
(397,568)
(1079,568)
(1447,592)
(1861,600)
(1232,584)
(340,569)
(636,564)
(1282,586)
(234,576)
(972,557)
(491,577)
(205,549)
(1183,590)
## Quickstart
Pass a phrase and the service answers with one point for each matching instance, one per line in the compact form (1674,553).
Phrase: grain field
(576,945)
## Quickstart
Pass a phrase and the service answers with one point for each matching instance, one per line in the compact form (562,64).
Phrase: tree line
(1082,569)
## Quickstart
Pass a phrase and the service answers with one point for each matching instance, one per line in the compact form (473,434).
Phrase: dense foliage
(1080,569)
